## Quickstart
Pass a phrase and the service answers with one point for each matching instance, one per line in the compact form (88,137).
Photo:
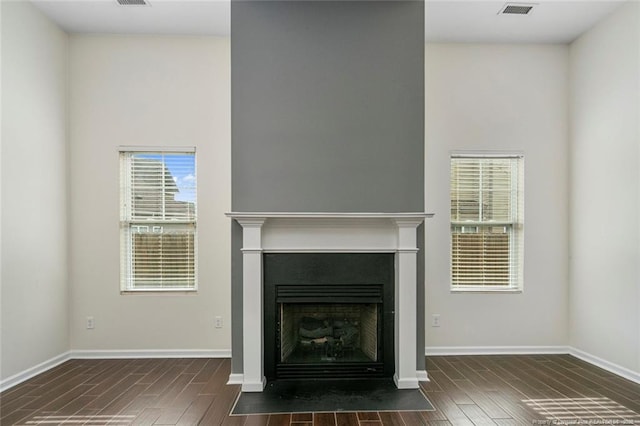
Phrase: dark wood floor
(466,390)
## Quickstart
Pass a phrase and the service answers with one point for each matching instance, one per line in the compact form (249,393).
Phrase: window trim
(516,249)
(125,254)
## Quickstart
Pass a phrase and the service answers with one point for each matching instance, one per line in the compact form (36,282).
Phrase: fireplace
(269,310)
(328,315)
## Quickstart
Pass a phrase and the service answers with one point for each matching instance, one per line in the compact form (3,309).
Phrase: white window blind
(486,222)
(158,221)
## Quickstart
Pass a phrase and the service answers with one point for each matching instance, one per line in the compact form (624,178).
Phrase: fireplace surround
(328,315)
(294,232)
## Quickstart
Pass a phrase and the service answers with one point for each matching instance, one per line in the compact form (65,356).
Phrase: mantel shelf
(328,215)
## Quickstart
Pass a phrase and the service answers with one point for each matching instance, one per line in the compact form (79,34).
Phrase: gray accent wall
(327,113)
(327,106)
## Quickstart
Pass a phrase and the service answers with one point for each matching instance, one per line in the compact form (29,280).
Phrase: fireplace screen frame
(329,278)
(309,333)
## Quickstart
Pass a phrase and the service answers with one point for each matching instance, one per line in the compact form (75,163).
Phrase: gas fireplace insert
(328,315)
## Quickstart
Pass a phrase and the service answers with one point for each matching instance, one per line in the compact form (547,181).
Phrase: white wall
(513,98)
(147,91)
(605,189)
(34,190)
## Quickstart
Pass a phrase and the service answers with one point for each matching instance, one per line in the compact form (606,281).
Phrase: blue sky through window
(182,167)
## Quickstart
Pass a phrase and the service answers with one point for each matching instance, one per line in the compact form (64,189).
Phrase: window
(486,222)
(158,220)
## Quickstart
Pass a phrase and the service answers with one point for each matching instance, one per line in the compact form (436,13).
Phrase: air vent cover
(132,2)
(516,9)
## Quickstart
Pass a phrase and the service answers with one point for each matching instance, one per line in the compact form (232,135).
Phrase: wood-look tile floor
(466,390)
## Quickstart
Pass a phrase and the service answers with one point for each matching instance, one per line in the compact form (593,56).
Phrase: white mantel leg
(405,304)
(252,339)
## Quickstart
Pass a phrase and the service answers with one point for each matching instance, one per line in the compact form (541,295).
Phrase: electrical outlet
(90,323)
(218,322)
(435,320)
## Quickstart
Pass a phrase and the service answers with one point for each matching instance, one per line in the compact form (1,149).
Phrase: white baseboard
(634,376)
(257,386)
(150,353)
(406,383)
(235,379)
(10,382)
(494,350)
(422,376)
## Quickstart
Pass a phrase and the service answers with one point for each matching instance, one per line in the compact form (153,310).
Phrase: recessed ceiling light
(516,9)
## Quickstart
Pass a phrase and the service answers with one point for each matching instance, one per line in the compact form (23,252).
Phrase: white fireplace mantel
(291,232)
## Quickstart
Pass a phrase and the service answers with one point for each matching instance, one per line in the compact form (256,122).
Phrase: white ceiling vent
(516,9)
(133,2)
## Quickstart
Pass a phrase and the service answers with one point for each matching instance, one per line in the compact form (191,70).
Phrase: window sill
(157,291)
(486,290)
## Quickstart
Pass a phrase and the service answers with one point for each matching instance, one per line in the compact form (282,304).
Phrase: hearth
(328,315)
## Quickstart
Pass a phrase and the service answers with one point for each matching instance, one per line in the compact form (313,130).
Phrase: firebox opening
(328,315)
(328,333)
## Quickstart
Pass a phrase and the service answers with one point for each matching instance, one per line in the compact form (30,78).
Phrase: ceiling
(475,21)
(550,21)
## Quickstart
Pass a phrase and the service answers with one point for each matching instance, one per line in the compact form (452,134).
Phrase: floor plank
(368,416)
(257,420)
(347,419)
(324,419)
(412,418)
(302,418)
(391,419)
(279,420)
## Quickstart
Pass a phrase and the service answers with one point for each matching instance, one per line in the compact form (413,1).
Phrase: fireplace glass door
(317,333)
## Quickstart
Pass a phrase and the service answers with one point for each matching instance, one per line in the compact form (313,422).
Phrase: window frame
(128,221)
(516,224)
